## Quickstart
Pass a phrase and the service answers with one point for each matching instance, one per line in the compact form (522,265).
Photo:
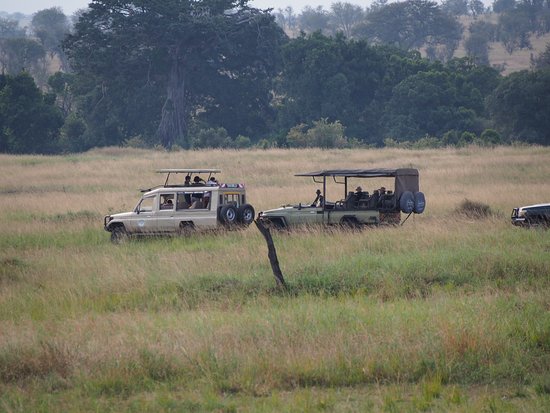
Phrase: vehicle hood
(122,215)
(283,209)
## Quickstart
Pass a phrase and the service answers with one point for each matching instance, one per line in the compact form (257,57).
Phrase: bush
(321,135)
(473,209)
(136,142)
(467,138)
(489,137)
(211,138)
(72,135)
(242,142)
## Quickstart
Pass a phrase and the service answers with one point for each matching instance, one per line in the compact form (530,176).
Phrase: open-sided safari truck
(354,209)
(193,203)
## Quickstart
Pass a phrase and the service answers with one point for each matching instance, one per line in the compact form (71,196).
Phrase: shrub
(489,137)
(242,142)
(135,142)
(210,138)
(473,209)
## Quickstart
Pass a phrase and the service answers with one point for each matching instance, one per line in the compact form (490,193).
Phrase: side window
(166,201)
(146,204)
(194,200)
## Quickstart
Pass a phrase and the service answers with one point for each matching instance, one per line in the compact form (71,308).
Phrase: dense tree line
(217,73)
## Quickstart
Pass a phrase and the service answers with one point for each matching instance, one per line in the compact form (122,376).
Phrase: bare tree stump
(271,253)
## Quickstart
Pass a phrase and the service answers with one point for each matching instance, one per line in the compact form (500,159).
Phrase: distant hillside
(498,56)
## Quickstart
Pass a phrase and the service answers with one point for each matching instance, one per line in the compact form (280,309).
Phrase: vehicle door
(166,208)
(305,215)
(144,219)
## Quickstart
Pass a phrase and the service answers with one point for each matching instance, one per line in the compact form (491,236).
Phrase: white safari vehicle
(197,201)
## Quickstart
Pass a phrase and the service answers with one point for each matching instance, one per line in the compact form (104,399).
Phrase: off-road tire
(245,214)
(406,202)
(228,215)
(119,235)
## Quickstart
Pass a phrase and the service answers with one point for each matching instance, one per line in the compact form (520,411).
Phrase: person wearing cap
(319,199)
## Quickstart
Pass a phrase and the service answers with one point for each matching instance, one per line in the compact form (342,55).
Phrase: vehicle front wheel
(119,235)
(245,214)
(228,215)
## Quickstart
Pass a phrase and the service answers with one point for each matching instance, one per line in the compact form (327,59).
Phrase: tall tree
(29,120)
(51,26)
(160,64)
(519,106)
(412,24)
(10,29)
(313,19)
(345,17)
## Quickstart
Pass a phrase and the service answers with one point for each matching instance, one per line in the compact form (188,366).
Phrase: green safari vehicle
(353,209)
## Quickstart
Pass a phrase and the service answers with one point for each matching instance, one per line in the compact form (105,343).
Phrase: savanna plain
(448,312)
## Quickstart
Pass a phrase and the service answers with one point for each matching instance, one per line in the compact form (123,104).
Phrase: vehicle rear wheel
(245,214)
(119,235)
(228,215)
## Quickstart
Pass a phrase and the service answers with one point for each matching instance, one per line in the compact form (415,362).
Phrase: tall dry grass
(426,313)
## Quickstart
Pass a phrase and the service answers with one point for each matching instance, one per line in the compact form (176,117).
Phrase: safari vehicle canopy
(406,179)
(358,208)
(190,204)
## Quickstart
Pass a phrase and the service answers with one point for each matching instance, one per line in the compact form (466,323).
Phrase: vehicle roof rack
(188,171)
(363,173)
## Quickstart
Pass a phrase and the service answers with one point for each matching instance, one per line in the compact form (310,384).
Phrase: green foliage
(72,135)
(412,24)
(30,120)
(212,138)
(489,137)
(50,26)
(132,81)
(519,106)
(322,134)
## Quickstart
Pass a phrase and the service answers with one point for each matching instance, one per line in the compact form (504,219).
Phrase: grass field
(449,312)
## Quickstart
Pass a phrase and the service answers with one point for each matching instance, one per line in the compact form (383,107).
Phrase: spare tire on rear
(245,214)
(419,202)
(228,215)
(406,202)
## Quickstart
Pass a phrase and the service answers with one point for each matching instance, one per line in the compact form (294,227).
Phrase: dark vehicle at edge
(532,215)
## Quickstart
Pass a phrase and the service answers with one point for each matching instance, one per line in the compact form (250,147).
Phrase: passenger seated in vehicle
(319,199)
(196,205)
(349,202)
(187,180)
(167,204)
(360,197)
(212,182)
(373,200)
